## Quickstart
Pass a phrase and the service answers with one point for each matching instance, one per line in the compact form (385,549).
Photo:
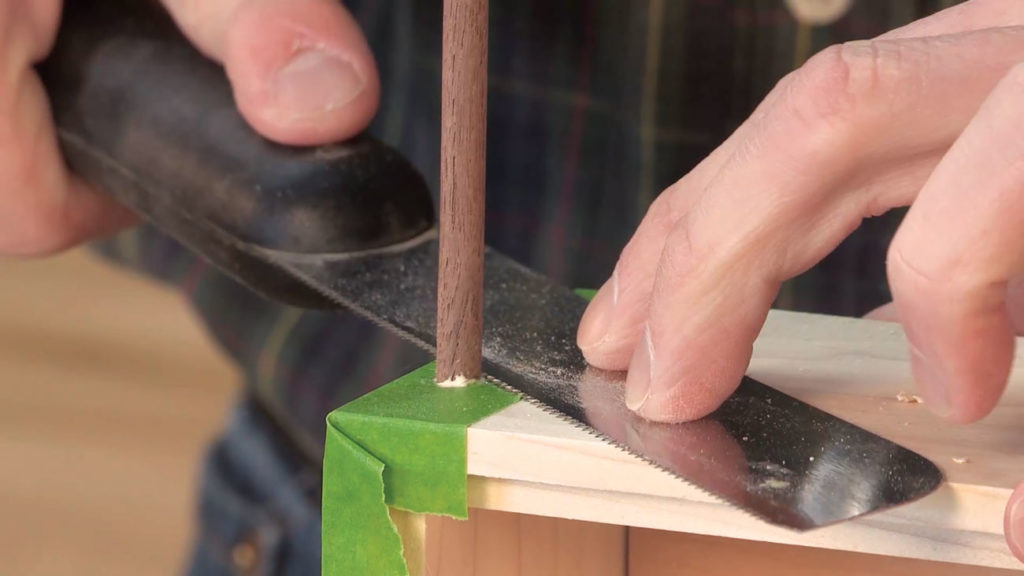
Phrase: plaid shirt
(594,107)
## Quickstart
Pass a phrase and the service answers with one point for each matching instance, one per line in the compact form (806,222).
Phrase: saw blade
(768,453)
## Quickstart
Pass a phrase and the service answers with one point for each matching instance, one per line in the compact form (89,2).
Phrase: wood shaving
(458,381)
(961,460)
(908,398)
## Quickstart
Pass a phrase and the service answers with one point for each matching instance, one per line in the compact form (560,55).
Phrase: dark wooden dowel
(463,151)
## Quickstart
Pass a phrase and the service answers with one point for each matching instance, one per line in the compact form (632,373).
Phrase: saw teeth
(533,401)
(397,290)
(576,424)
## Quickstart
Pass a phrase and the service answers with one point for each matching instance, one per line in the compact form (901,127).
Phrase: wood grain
(463,175)
(524,460)
(504,544)
(412,529)
(109,394)
(661,553)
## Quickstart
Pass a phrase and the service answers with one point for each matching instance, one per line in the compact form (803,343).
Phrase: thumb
(301,70)
(1014,307)
(885,313)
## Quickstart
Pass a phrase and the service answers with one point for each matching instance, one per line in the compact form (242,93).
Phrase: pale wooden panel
(109,392)
(525,460)
(661,553)
(506,544)
(412,529)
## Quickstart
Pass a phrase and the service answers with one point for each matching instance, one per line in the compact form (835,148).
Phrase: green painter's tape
(402,445)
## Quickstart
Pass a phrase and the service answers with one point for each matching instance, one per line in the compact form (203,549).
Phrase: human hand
(930,115)
(301,72)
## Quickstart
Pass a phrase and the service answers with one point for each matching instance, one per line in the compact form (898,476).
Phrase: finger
(1014,307)
(953,257)
(608,331)
(42,209)
(1015,304)
(1013,522)
(613,320)
(884,313)
(851,135)
(964,17)
(809,134)
(301,70)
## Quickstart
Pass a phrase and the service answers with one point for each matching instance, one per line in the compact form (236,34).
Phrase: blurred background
(109,393)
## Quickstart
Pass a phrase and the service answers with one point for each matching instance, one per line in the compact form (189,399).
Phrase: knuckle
(630,253)
(819,92)
(656,223)
(681,254)
(840,83)
(661,207)
(672,204)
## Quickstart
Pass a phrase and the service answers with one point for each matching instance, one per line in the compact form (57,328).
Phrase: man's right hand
(928,115)
(301,71)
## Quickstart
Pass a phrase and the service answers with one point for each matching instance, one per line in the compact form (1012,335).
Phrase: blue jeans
(259,504)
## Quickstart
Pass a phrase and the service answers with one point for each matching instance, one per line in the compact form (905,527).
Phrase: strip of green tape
(402,445)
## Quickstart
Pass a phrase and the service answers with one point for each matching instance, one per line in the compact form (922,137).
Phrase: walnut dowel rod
(463,151)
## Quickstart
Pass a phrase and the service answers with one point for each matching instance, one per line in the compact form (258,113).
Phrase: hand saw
(148,119)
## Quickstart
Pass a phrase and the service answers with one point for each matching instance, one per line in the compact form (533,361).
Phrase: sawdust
(459,381)
(775,484)
(908,398)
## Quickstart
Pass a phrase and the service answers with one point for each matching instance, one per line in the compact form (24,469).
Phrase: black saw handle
(145,117)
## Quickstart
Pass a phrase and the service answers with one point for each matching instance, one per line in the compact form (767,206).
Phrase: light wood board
(524,460)
(661,553)
(504,544)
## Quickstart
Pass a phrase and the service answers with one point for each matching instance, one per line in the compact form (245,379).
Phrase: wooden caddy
(547,498)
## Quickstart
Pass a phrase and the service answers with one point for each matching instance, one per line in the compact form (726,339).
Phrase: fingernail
(597,320)
(314,82)
(641,372)
(932,380)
